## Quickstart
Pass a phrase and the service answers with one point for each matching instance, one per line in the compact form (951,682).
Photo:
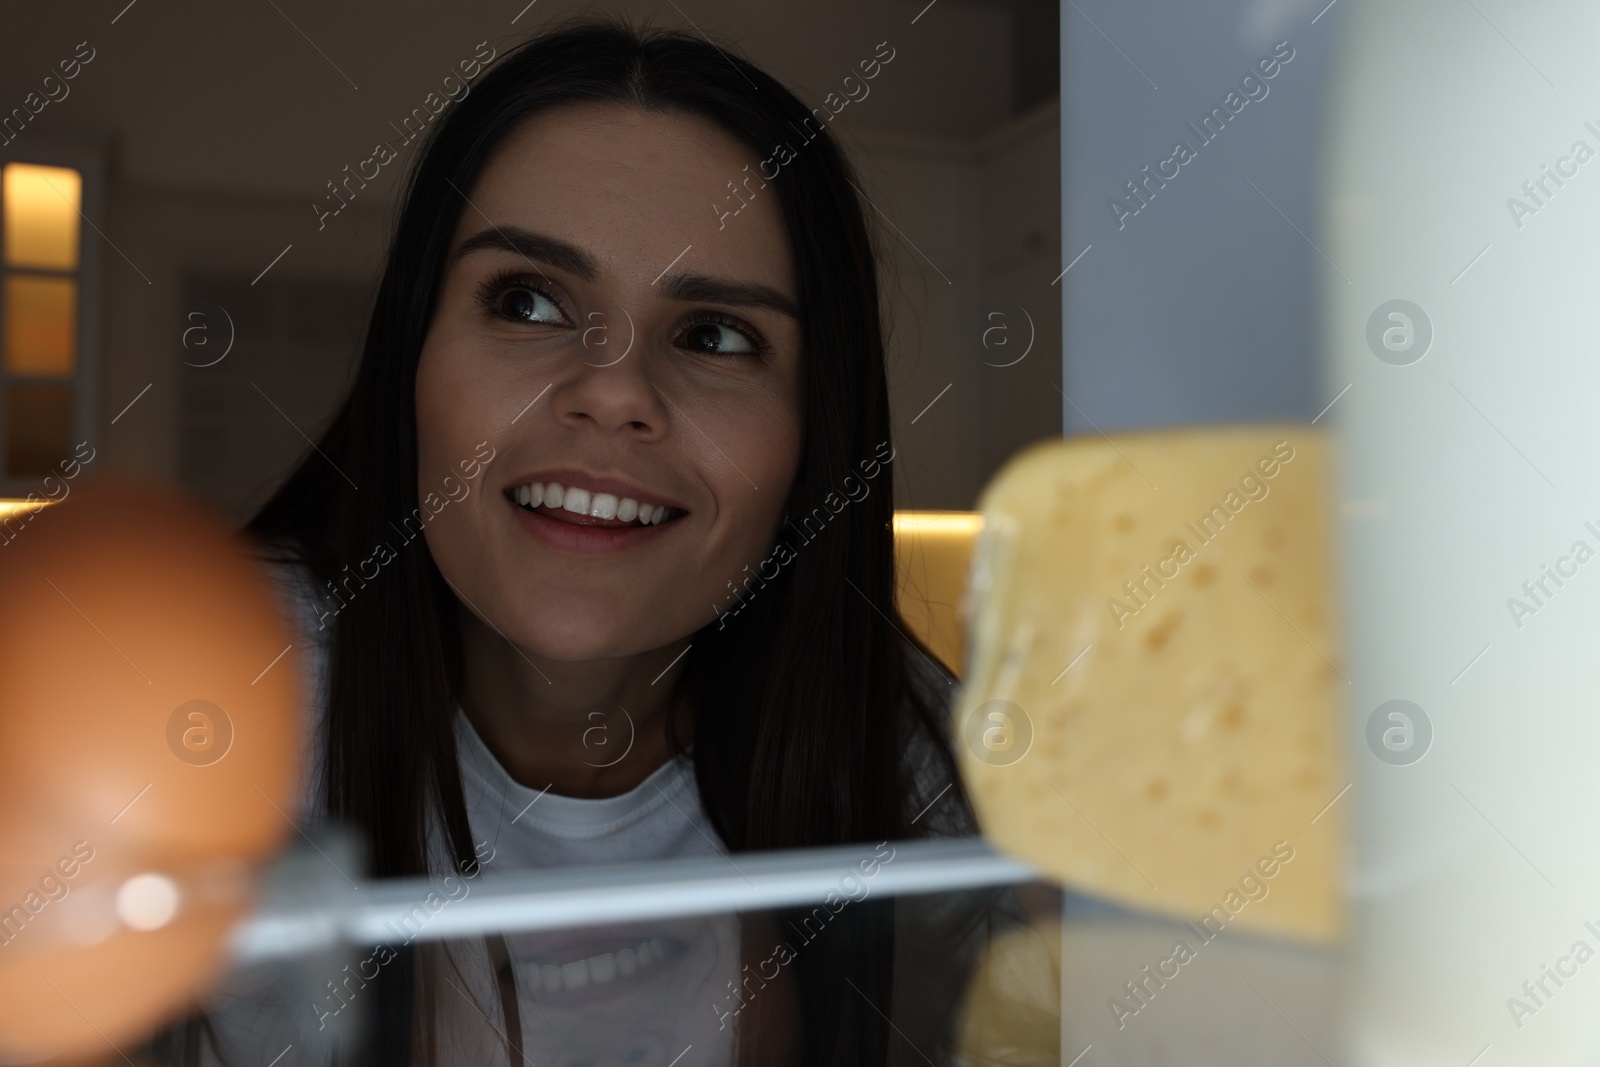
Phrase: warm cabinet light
(41,305)
(10,507)
(933,552)
(41,334)
(42,206)
(952,523)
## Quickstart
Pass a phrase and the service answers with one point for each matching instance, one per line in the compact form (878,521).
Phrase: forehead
(634,189)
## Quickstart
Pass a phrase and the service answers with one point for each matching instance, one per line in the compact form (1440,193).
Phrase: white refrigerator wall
(1193,302)
(1470,479)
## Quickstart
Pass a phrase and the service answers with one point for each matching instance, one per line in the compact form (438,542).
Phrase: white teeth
(575,975)
(602,968)
(581,501)
(627,962)
(576,500)
(550,975)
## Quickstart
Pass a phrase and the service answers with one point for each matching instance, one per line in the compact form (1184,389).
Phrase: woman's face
(598,330)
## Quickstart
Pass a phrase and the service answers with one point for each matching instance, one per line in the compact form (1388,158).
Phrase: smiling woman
(698,426)
(583,576)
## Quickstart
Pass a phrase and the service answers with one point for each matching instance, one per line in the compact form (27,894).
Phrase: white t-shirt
(661,818)
(636,994)
(644,993)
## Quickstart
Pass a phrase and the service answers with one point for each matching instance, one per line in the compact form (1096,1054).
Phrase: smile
(579,502)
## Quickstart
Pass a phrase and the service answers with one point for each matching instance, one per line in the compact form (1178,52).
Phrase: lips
(582,503)
(585,514)
(583,496)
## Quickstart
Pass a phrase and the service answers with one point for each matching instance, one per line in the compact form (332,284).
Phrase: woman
(605,521)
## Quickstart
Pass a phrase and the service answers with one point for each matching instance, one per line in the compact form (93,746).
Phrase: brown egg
(148,742)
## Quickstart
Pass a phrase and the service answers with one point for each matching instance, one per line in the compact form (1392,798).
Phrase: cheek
(446,409)
(763,456)
(456,411)
(776,440)
(460,407)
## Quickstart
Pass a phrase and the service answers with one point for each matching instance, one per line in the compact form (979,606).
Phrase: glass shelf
(909,952)
(753,958)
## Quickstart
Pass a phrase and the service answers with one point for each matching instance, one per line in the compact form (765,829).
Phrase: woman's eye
(528,305)
(717,339)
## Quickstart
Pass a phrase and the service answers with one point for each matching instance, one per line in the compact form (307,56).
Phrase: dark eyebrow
(530,245)
(701,288)
(684,287)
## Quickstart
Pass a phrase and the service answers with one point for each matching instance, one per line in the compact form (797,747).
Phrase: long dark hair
(805,704)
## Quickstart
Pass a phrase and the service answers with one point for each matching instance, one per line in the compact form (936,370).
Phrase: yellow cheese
(1150,710)
(1011,1010)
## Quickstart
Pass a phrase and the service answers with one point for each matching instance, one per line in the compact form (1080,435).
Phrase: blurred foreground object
(1150,714)
(1465,337)
(148,700)
(1011,1013)
(933,555)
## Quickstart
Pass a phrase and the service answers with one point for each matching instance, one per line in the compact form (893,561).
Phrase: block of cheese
(1011,1010)
(1150,710)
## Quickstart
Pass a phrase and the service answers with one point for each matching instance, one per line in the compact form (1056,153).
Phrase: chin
(588,637)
